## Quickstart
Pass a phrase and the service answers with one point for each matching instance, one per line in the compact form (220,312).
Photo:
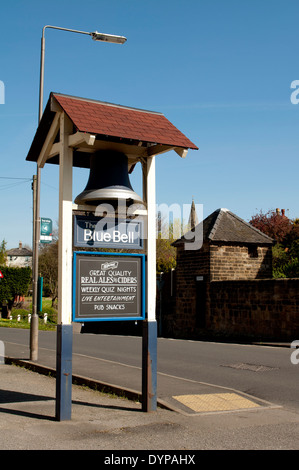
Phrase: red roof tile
(96,117)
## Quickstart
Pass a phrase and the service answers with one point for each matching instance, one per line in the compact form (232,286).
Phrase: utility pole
(34,316)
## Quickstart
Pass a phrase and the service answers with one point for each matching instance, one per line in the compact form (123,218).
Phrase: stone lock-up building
(225,287)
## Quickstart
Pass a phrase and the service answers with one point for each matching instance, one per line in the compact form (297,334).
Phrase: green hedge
(15,281)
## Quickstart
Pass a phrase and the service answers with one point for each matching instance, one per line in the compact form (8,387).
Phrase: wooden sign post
(71,129)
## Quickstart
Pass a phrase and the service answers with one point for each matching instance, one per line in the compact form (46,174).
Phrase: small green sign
(45,230)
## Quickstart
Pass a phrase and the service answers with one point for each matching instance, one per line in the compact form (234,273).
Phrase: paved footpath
(109,423)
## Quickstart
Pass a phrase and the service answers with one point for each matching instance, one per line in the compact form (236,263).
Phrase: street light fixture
(96,36)
(108,38)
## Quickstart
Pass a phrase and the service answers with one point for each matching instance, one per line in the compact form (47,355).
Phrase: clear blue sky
(220,70)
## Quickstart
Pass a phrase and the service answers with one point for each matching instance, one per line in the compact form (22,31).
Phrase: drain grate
(252,367)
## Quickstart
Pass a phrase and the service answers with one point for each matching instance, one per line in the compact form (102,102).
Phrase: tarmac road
(184,367)
(211,418)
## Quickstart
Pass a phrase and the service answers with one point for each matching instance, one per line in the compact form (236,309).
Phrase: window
(253,251)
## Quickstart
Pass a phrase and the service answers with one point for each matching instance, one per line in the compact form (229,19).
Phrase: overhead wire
(23,180)
(13,184)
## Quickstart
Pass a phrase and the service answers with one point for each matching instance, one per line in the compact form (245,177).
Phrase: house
(19,257)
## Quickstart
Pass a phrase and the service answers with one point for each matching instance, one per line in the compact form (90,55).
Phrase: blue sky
(220,70)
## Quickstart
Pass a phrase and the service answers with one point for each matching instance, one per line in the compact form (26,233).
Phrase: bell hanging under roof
(108,180)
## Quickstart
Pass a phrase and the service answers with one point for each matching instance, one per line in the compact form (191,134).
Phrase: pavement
(197,417)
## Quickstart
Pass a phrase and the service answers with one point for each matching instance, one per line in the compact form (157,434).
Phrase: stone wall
(182,311)
(257,309)
(254,309)
(186,312)
(240,262)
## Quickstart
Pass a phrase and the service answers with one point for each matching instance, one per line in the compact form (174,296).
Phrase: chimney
(277,211)
(20,245)
(283,212)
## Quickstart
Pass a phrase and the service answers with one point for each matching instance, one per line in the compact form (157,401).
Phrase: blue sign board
(104,232)
(108,286)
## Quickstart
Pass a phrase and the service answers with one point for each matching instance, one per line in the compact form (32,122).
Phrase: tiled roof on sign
(101,118)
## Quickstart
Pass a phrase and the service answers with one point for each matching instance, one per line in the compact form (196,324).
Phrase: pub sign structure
(109,139)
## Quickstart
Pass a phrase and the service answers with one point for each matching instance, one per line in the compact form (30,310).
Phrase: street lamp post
(96,36)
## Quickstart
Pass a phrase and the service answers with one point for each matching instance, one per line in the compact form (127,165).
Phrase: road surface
(264,372)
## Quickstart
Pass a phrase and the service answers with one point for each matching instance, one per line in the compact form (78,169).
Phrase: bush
(290,269)
(19,311)
(284,262)
(51,314)
(15,282)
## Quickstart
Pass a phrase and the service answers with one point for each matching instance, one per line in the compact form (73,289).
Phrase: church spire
(193,219)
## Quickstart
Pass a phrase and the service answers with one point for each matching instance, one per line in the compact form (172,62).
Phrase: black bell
(108,180)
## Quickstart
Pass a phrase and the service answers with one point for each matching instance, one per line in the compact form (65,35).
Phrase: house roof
(226,227)
(19,252)
(109,121)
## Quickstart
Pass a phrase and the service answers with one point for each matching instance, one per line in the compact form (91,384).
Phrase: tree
(285,232)
(48,267)
(15,282)
(3,253)
(273,224)
(166,255)
(168,232)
